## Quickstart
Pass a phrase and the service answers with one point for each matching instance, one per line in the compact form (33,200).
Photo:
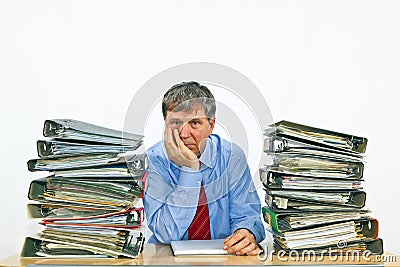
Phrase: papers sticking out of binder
(89,202)
(284,180)
(286,145)
(284,222)
(132,161)
(55,148)
(59,210)
(356,233)
(74,162)
(318,166)
(128,219)
(282,198)
(314,191)
(96,194)
(75,242)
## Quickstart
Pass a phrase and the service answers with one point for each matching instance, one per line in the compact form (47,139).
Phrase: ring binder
(78,130)
(318,137)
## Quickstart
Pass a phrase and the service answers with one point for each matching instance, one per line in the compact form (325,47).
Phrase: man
(199,185)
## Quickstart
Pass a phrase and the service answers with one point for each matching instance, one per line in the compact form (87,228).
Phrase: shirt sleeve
(168,207)
(245,209)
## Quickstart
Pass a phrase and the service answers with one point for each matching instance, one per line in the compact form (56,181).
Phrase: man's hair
(184,96)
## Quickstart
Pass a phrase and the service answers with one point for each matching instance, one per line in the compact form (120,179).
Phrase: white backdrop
(329,64)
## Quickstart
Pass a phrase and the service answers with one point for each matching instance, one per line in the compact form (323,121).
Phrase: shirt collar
(209,152)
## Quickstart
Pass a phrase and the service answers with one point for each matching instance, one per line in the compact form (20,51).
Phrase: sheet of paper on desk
(198,247)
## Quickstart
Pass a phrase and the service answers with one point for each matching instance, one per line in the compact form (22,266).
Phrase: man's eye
(174,123)
(195,123)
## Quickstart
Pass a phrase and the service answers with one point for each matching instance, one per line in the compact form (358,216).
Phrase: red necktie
(200,227)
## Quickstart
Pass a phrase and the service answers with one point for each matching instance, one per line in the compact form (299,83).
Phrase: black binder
(318,137)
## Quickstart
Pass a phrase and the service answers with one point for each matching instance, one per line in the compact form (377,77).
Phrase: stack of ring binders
(89,201)
(314,194)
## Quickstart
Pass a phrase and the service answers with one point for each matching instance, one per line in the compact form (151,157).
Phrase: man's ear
(211,124)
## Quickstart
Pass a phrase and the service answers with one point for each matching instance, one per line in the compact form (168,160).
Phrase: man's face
(194,127)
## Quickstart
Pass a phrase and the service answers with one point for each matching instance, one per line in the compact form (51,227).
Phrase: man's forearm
(170,209)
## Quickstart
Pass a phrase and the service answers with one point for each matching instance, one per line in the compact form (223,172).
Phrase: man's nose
(185,131)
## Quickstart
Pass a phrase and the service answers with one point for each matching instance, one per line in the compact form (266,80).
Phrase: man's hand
(241,242)
(177,151)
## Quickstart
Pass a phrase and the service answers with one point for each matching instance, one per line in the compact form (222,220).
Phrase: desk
(162,255)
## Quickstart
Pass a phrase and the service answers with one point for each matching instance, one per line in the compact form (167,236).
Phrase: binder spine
(375,246)
(273,144)
(44,148)
(52,128)
(271,218)
(369,228)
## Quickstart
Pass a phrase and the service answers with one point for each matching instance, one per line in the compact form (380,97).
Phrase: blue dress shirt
(172,193)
